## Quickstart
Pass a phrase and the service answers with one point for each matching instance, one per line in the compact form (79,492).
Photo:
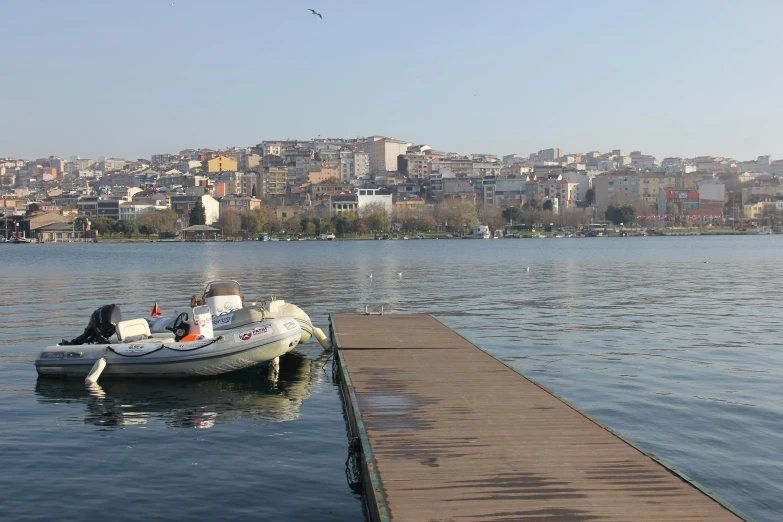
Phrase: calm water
(674,342)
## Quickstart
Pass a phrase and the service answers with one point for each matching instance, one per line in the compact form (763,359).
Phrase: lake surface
(673,342)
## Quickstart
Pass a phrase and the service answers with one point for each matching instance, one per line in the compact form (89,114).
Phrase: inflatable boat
(227,305)
(112,347)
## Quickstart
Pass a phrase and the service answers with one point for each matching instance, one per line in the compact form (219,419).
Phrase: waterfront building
(342,203)
(367,196)
(503,192)
(132,209)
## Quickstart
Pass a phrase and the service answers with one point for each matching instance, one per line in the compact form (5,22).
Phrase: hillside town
(365,185)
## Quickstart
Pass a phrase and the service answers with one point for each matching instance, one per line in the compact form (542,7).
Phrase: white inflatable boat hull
(229,350)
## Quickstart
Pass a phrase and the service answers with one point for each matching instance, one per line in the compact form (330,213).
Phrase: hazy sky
(131,78)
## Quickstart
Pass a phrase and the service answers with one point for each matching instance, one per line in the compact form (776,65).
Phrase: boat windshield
(218,288)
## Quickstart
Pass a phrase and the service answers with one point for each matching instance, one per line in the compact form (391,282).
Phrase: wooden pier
(449,433)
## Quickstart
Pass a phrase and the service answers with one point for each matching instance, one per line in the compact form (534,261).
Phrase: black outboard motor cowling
(102,325)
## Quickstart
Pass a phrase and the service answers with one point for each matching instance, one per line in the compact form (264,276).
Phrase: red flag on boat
(156,311)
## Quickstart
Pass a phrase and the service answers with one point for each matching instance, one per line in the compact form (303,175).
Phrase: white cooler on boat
(202,322)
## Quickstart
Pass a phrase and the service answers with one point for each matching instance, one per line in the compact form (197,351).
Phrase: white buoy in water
(95,371)
(322,339)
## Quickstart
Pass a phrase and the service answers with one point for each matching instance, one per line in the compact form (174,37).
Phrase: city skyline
(132,80)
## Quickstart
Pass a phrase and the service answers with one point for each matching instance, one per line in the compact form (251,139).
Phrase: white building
(132,210)
(369,196)
(582,180)
(186,166)
(383,152)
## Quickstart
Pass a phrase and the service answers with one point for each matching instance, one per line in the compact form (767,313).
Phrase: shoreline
(518,236)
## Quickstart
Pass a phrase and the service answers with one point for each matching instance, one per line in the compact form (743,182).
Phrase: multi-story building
(241,204)
(513,159)
(374,196)
(583,182)
(606,165)
(503,192)
(219,164)
(108,208)
(621,186)
(414,164)
(162,159)
(383,152)
(275,181)
(485,168)
(249,185)
(186,166)
(347,165)
(182,205)
(342,203)
(133,209)
(110,164)
(650,185)
(561,190)
(641,161)
(688,202)
(515,170)
(550,154)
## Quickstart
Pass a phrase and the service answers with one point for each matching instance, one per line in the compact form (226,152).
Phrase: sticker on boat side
(222,320)
(52,355)
(136,349)
(255,332)
(290,326)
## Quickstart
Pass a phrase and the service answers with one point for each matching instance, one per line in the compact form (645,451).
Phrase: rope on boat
(162,346)
(213,341)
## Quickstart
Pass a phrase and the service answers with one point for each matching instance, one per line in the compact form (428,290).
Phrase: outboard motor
(102,325)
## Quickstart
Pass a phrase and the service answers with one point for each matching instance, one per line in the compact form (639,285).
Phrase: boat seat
(133,330)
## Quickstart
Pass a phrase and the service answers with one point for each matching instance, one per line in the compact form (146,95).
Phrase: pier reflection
(257,394)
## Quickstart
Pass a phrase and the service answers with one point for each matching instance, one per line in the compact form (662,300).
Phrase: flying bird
(370,276)
(316,13)
(399,274)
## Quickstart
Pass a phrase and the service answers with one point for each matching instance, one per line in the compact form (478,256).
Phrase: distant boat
(481,232)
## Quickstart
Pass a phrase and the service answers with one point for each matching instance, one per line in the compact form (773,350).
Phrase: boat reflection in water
(260,393)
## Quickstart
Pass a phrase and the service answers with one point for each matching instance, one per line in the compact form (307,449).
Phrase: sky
(132,78)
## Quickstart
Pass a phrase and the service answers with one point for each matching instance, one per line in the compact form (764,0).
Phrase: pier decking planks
(458,435)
